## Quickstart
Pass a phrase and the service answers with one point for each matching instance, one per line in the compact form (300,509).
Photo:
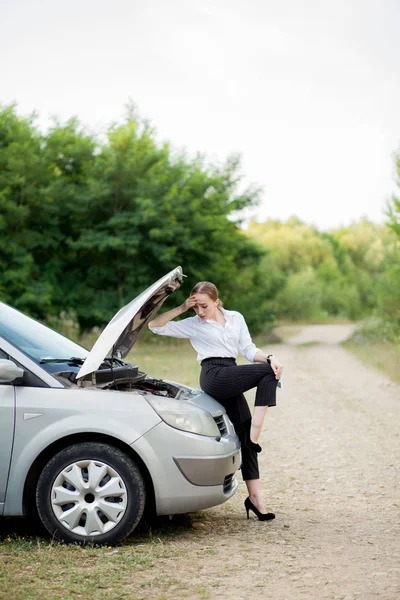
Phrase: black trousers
(226,381)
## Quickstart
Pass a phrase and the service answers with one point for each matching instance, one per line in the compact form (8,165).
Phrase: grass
(142,567)
(173,359)
(384,356)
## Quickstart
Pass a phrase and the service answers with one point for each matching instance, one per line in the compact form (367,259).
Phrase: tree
(336,272)
(88,224)
(294,245)
(389,282)
(152,210)
(393,206)
(23,177)
(70,154)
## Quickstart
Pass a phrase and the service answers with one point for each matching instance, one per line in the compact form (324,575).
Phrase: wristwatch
(269,358)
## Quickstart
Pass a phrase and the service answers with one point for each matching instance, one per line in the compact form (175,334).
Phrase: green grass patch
(383,355)
(141,567)
(377,343)
(174,360)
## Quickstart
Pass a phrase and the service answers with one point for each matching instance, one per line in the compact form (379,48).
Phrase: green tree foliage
(301,298)
(326,274)
(294,245)
(88,224)
(70,156)
(393,209)
(24,176)
(389,284)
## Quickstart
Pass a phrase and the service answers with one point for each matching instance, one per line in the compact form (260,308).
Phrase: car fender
(118,417)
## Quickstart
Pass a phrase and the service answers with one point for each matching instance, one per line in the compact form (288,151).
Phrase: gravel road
(331,473)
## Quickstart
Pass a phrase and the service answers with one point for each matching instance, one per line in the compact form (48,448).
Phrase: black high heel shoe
(261,516)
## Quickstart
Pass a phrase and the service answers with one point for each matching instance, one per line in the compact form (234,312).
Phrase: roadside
(331,473)
(383,355)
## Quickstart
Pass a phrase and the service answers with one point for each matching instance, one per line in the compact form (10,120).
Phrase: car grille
(220,421)
(228,483)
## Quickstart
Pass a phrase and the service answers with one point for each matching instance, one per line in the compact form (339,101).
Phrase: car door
(7,419)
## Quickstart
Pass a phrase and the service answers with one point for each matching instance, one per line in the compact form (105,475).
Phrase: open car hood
(126,326)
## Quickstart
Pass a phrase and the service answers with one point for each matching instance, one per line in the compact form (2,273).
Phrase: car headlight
(184,416)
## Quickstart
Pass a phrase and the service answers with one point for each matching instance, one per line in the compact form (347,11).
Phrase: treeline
(88,222)
(351,272)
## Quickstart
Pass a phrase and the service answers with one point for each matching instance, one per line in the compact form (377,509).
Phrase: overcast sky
(307,91)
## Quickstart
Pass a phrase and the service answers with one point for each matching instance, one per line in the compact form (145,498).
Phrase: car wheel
(90,492)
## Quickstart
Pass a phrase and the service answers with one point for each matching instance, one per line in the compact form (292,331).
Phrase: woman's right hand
(276,367)
(189,303)
(163,319)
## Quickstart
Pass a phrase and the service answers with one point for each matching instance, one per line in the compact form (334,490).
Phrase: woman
(218,335)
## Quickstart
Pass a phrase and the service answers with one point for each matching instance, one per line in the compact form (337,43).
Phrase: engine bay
(117,375)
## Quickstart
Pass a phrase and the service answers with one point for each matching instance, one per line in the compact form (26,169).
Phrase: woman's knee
(266,385)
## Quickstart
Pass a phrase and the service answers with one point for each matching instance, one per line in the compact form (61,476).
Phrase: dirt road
(331,473)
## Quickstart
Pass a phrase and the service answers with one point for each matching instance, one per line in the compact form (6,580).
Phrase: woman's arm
(166,317)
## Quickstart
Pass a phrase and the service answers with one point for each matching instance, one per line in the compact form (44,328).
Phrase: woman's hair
(206,287)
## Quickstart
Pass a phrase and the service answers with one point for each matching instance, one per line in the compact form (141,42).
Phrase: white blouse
(210,339)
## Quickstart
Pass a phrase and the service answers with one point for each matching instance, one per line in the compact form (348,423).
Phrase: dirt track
(331,472)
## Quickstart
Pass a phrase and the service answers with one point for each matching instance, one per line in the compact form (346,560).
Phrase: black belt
(230,358)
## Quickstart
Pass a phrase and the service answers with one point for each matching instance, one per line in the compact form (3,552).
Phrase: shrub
(378,329)
(301,297)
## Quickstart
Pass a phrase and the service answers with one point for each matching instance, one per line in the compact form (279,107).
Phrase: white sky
(307,91)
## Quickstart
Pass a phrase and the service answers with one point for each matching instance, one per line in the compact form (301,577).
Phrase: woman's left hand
(276,367)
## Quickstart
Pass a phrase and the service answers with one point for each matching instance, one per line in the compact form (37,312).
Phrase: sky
(306,91)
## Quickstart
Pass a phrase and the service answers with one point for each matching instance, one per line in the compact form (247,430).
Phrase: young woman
(218,335)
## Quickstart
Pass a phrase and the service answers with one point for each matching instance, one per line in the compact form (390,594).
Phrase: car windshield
(34,339)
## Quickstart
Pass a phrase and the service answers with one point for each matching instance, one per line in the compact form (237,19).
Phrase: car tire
(90,493)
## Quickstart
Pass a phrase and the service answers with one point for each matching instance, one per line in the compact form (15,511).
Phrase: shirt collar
(224,312)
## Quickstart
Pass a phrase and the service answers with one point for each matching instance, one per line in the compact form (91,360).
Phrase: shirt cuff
(251,354)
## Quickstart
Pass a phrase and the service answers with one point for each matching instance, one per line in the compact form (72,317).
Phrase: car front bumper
(189,472)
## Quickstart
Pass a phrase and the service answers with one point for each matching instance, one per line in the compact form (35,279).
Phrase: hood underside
(127,325)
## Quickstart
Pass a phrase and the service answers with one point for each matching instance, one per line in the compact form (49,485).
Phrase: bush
(301,298)
(378,329)
(341,298)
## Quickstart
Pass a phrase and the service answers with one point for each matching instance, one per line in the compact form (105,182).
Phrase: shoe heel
(261,516)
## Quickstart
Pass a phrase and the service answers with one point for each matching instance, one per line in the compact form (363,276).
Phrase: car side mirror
(9,371)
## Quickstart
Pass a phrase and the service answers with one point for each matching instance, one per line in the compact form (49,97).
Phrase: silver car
(91,442)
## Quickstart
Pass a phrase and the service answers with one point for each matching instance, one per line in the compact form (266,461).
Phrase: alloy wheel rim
(89,497)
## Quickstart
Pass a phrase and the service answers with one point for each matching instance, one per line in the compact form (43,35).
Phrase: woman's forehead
(201,297)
